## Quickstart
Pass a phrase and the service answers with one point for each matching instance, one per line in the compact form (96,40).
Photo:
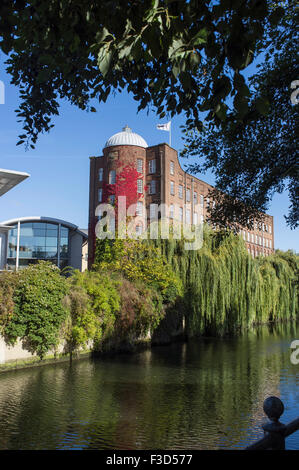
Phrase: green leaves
(97,48)
(251,147)
(38,311)
(104,60)
(200,37)
(221,111)
(240,105)
(262,105)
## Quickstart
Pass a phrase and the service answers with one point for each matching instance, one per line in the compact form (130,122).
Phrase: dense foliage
(139,261)
(225,289)
(256,157)
(79,49)
(133,289)
(87,310)
(38,313)
(92,302)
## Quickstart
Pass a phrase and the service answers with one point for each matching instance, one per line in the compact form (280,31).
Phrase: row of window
(112,173)
(262,227)
(257,239)
(172,215)
(152,186)
(151,168)
(255,253)
(152,189)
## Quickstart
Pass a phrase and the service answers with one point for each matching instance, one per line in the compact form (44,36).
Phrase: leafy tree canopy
(171,54)
(256,156)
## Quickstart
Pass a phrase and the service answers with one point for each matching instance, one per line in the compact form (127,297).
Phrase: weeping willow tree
(224,288)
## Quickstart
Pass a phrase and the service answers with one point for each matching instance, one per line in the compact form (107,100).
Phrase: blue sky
(59,166)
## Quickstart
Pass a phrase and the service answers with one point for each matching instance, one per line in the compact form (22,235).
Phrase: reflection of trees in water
(204,394)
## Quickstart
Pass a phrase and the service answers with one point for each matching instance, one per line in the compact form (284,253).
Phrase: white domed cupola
(126,137)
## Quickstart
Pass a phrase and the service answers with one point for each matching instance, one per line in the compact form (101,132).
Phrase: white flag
(164,127)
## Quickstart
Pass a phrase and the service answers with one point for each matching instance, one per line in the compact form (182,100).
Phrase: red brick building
(167,183)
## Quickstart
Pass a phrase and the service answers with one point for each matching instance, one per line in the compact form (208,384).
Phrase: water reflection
(206,394)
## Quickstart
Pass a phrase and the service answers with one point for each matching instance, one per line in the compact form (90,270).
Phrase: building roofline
(11,179)
(14,172)
(44,219)
(6,228)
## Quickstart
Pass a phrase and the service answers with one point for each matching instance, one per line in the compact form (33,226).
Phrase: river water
(204,394)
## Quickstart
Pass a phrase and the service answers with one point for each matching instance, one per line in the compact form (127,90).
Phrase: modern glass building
(32,239)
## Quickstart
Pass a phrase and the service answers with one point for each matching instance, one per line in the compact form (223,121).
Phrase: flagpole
(170,135)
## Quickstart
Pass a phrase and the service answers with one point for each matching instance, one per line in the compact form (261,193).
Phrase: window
(112,177)
(252,238)
(208,202)
(256,239)
(152,211)
(138,229)
(266,242)
(202,200)
(140,186)
(188,195)
(113,155)
(270,229)
(244,235)
(180,191)
(100,195)
(260,239)
(152,187)
(195,197)
(139,165)
(248,236)
(139,208)
(195,218)
(152,166)
(263,227)
(188,216)
(101,171)
(270,243)
(171,212)
(181,214)
(172,168)
(201,219)
(266,228)
(112,199)
(172,188)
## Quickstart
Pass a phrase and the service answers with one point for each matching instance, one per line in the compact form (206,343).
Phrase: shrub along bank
(136,286)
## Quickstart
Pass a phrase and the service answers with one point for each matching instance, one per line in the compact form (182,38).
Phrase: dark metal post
(275,431)
(273,408)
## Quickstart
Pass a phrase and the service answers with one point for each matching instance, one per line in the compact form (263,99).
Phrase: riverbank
(161,338)
(144,291)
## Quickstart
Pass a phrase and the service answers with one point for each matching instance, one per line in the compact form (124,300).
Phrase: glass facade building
(31,240)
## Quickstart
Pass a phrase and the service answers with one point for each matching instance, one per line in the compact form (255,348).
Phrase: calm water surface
(205,394)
